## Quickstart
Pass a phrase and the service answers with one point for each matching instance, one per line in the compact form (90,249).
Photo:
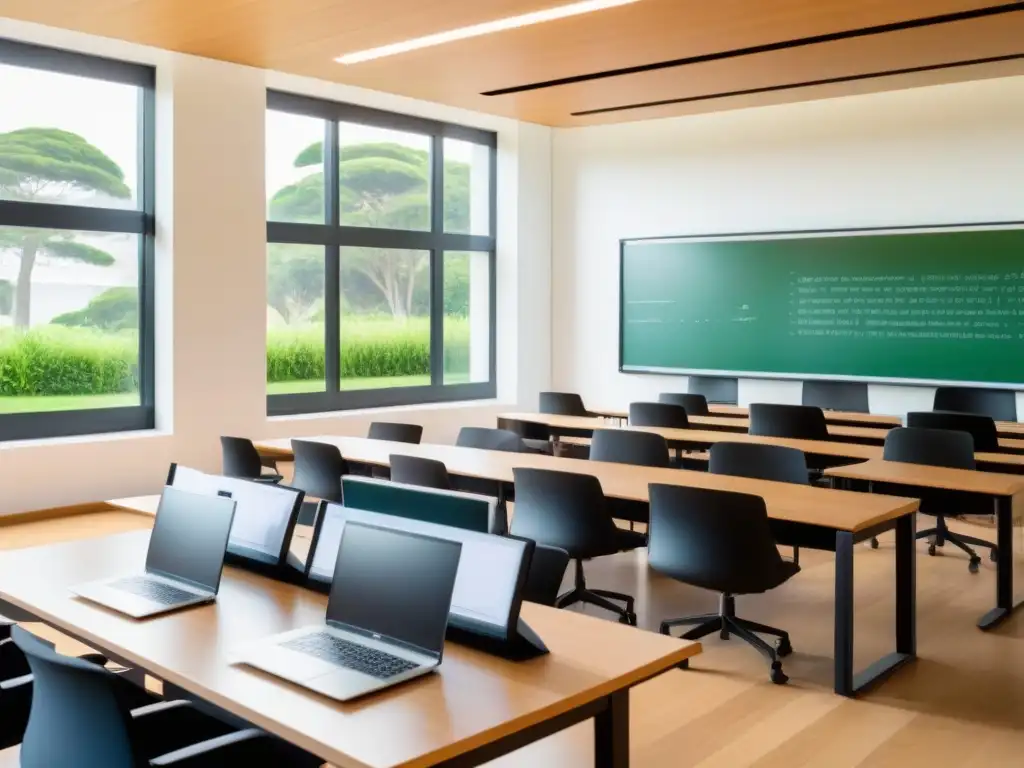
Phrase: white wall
(211,281)
(945,154)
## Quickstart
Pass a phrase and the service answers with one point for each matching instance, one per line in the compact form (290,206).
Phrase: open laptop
(491,576)
(386,616)
(265,514)
(184,561)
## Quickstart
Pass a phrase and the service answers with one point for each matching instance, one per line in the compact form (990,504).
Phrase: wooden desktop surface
(737,411)
(880,471)
(475,699)
(839,510)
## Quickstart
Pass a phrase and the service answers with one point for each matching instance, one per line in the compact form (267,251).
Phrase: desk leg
(1004,566)
(906,586)
(843,652)
(611,733)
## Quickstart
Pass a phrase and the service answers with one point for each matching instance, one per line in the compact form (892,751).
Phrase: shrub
(67,361)
(115,309)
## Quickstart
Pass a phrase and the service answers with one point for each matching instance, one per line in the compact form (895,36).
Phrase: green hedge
(67,361)
(55,360)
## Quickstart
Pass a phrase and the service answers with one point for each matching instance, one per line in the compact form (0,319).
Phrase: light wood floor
(961,704)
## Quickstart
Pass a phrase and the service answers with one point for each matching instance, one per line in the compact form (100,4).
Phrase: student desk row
(476,709)
(805,516)
(828,452)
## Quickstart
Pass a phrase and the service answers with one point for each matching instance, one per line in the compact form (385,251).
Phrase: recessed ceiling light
(487,28)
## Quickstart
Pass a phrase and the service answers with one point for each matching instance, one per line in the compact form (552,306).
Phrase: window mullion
(332,263)
(436,262)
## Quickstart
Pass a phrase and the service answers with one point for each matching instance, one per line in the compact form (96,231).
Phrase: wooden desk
(1006,490)
(849,418)
(804,516)
(827,451)
(477,708)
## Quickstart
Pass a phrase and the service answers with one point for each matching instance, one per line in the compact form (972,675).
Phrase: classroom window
(380,256)
(76,244)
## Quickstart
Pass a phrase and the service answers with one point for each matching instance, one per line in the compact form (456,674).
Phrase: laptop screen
(394,584)
(262,515)
(189,537)
(489,569)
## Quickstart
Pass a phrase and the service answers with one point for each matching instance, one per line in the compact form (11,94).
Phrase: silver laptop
(386,616)
(184,561)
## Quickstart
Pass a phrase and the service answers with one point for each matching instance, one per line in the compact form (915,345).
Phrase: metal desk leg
(906,586)
(1004,566)
(843,652)
(611,733)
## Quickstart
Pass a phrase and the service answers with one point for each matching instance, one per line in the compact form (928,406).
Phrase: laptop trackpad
(291,665)
(343,684)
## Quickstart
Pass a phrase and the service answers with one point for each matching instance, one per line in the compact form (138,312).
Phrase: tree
(295,282)
(382,185)
(48,165)
(116,309)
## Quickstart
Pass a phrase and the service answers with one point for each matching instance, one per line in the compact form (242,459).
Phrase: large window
(380,258)
(76,243)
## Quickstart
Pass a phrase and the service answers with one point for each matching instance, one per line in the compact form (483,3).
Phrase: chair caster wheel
(629,619)
(993,555)
(931,550)
(973,565)
(777,676)
(874,543)
(783,648)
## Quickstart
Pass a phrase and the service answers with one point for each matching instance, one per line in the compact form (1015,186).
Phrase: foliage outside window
(76,226)
(365,307)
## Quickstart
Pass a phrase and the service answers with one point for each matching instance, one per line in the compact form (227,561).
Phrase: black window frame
(333,236)
(140,222)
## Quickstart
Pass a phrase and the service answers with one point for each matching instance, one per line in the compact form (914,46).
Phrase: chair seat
(627,540)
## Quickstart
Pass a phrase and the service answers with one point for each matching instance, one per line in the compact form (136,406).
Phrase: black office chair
(318,471)
(721,541)
(981,428)
(999,404)
(695,405)
(761,462)
(941,448)
(836,395)
(623,446)
(568,511)
(397,433)
(547,570)
(413,470)
(563,404)
(802,422)
(81,716)
(717,389)
(490,439)
(241,459)
(658,415)
(15,693)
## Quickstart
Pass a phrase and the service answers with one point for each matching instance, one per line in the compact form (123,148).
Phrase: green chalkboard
(908,305)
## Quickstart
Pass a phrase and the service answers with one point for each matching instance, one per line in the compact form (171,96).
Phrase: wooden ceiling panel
(304,37)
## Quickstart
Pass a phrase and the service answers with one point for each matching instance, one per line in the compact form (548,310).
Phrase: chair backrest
(658,415)
(77,716)
(937,447)
(999,404)
(762,462)
(714,539)
(414,470)
(836,395)
(695,405)
(803,422)
(562,404)
(981,428)
(397,433)
(717,389)
(318,469)
(240,457)
(564,510)
(469,511)
(544,579)
(490,439)
(623,446)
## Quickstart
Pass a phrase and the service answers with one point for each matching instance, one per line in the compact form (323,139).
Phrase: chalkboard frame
(782,233)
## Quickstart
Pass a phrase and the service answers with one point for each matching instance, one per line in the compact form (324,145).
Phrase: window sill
(361,412)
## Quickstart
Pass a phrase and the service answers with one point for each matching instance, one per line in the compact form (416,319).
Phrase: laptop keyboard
(157,591)
(350,655)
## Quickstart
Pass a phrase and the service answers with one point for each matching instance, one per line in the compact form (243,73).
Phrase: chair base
(602,598)
(940,534)
(727,623)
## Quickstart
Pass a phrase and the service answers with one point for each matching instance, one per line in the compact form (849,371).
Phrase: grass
(42,403)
